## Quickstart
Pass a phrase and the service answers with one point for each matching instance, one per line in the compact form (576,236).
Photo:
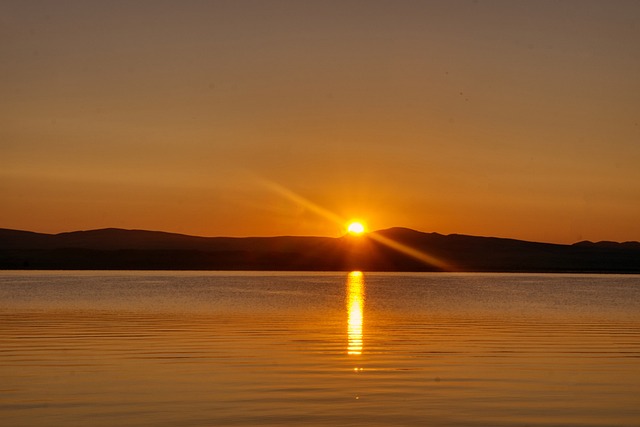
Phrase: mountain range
(394,249)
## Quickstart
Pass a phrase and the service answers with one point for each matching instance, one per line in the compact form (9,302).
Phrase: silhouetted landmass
(117,249)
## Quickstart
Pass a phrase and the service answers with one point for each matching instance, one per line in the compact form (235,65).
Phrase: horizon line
(374,232)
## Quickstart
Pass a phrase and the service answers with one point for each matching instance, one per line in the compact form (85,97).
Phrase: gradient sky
(507,118)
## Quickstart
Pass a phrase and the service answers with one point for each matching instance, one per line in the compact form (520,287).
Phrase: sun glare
(355,307)
(355,227)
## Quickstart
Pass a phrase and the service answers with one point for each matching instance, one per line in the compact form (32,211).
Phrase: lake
(348,349)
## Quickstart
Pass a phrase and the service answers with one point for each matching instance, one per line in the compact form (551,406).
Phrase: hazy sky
(507,118)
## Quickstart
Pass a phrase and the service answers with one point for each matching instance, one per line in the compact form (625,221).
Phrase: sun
(355,228)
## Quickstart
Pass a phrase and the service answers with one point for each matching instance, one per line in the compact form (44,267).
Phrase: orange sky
(512,119)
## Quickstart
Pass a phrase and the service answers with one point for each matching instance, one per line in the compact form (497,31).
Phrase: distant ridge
(114,248)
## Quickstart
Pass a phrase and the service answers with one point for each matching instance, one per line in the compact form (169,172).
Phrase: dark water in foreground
(204,349)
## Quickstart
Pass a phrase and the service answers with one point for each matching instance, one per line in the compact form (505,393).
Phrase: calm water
(205,349)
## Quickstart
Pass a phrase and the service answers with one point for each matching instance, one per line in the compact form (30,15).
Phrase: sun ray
(412,252)
(327,214)
(319,210)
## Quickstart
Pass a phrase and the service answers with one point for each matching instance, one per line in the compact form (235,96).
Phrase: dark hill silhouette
(113,248)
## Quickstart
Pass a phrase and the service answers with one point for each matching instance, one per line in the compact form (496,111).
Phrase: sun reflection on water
(355,306)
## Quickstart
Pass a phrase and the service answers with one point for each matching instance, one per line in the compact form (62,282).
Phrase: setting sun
(355,227)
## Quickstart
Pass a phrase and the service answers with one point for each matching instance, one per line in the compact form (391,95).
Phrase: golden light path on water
(355,309)
(400,247)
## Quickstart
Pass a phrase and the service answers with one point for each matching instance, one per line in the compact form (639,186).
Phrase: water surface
(240,348)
